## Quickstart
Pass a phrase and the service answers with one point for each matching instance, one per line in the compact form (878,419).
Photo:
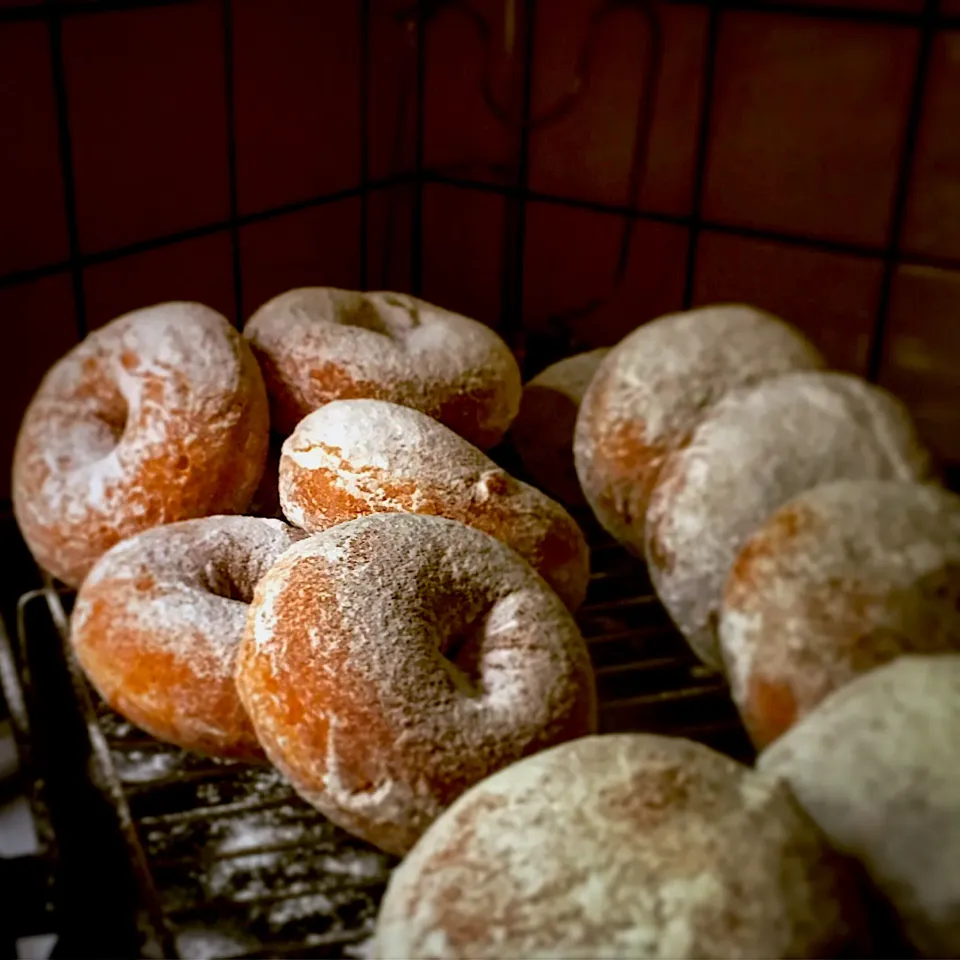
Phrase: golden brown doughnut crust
(392,661)
(355,457)
(652,388)
(158,622)
(838,581)
(749,454)
(621,846)
(317,344)
(159,416)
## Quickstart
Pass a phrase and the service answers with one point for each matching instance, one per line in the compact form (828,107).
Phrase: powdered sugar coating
(625,845)
(839,580)
(354,457)
(654,386)
(318,344)
(750,453)
(159,416)
(158,621)
(875,765)
(543,430)
(392,661)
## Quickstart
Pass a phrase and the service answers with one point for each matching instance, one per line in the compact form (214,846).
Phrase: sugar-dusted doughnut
(625,845)
(875,766)
(159,416)
(317,344)
(836,582)
(392,661)
(158,622)
(751,452)
(651,389)
(355,457)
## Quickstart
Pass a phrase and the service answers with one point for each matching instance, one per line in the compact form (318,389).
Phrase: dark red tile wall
(34,225)
(795,202)
(297,100)
(148,121)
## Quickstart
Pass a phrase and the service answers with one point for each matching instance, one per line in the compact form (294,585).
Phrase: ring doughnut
(318,344)
(355,457)
(392,661)
(652,388)
(158,622)
(159,416)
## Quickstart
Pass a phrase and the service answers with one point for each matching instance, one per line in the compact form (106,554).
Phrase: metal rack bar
(842,247)
(695,224)
(74,263)
(233,222)
(155,243)
(364,11)
(515,222)
(892,256)
(41,11)
(416,238)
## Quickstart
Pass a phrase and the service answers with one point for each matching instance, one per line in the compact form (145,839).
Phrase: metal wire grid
(516,193)
(226,851)
(228,862)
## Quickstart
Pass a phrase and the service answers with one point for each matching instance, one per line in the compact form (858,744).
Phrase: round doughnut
(318,344)
(839,580)
(542,433)
(159,416)
(750,453)
(356,457)
(651,389)
(158,623)
(875,765)
(628,845)
(392,661)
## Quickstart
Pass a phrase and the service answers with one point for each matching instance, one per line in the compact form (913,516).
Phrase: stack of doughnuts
(695,430)
(145,444)
(395,630)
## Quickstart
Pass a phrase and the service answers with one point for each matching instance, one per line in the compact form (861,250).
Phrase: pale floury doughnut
(619,846)
(392,661)
(839,580)
(651,389)
(317,344)
(159,416)
(355,457)
(158,623)
(876,766)
(543,432)
(751,452)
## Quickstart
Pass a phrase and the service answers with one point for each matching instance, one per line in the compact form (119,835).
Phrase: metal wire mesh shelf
(228,862)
